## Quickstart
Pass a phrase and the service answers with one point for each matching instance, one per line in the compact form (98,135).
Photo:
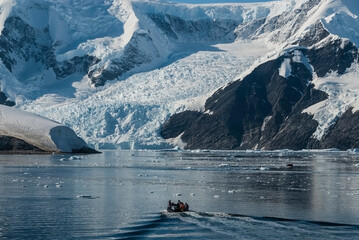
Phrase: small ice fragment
(231,191)
(263,168)
(76,158)
(223,165)
(216,196)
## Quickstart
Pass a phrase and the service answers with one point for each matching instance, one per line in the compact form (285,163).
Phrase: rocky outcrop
(256,112)
(335,56)
(265,109)
(139,50)
(12,144)
(198,31)
(343,134)
(5,101)
(22,45)
(280,27)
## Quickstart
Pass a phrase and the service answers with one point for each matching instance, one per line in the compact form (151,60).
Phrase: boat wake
(207,225)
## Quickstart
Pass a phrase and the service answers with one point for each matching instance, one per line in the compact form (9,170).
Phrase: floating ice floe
(75,158)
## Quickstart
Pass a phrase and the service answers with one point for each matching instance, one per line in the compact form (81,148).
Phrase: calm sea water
(234,195)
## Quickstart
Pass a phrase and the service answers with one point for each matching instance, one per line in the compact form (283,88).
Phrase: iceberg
(42,133)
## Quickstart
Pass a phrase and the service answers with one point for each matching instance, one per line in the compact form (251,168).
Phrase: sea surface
(232,195)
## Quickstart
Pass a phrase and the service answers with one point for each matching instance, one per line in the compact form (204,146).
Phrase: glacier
(161,57)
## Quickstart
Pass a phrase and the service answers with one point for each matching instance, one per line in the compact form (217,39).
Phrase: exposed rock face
(344,134)
(315,34)
(140,50)
(20,43)
(265,109)
(337,55)
(179,123)
(281,27)
(5,101)
(11,144)
(202,30)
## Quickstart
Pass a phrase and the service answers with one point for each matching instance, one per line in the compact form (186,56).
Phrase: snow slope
(175,69)
(38,131)
(128,113)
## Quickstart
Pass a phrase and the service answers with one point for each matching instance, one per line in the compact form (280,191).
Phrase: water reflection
(335,190)
(97,195)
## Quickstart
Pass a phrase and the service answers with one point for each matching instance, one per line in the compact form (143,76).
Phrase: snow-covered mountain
(305,97)
(116,70)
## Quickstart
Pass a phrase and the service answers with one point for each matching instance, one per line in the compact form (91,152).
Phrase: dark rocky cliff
(265,110)
(11,144)
(5,101)
(20,42)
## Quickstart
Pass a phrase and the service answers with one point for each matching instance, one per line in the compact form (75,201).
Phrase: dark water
(234,195)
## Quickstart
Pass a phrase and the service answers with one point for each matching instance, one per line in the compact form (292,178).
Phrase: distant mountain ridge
(115,71)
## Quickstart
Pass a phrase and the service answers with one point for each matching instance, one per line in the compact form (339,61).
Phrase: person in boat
(186,207)
(169,207)
(177,207)
(172,207)
(181,206)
